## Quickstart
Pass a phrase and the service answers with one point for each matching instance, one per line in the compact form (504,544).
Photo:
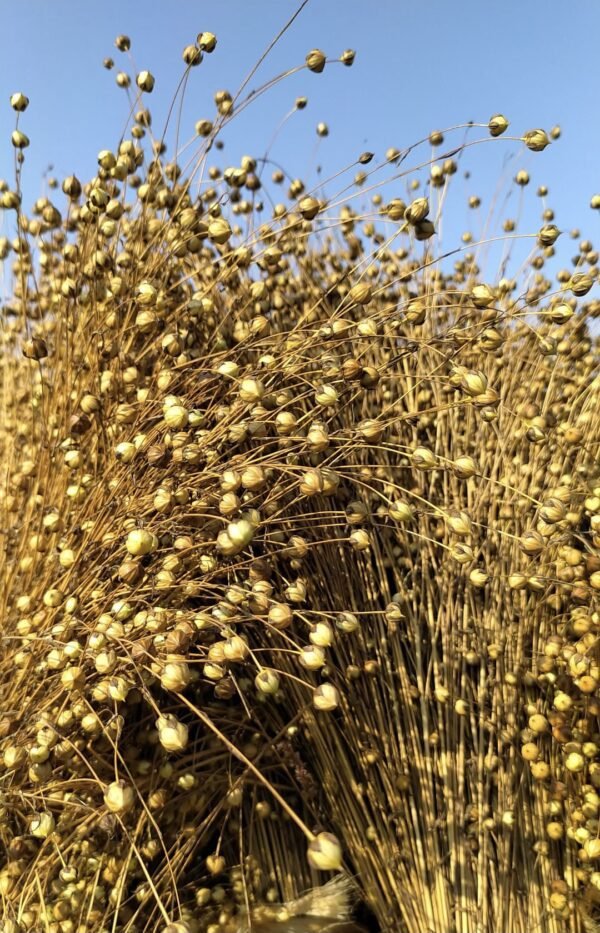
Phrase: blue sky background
(419,66)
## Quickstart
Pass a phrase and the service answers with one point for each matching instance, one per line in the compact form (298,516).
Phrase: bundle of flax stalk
(300,551)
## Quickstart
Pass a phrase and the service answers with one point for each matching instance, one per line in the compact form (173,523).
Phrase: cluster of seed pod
(301,549)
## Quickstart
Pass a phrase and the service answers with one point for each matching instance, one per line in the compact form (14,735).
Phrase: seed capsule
(401,512)
(267,682)
(536,140)
(325,853)
(35,349)
(19,102)
(207,41)
(497,125)
(145,81)
(42,825)
(548,235)
(140,542)
(417,211)
(309,207)
(176,676)
(312,657)
(192,55)
(423,458)
(315,61)
(219,231)
(19,140)
(119,797)
(173,734)
(482,296)
(575,762)
(326,698)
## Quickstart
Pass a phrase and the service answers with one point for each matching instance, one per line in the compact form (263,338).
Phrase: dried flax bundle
(300,550)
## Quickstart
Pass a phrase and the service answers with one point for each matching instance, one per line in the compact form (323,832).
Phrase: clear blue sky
(419,66)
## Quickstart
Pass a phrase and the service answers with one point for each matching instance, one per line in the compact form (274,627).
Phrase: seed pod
(315,61)
(140,542)
(321,635)
(207,41)
(538,723)
(203,128)
(478,577)
(548,235)
(360,540)
(90,404)
(146,294)
(347,623)
(423,230)
(119,797)
(497,125)
(553,510)
(482,296)
(253,477)
(462,553)
(267,682)
(326,698)
(326,396)
(219,231)
(125,452)
(417,211)
(236,537)
(215,864)
(536,140)
(42,825)
(560,313)
(145,81)
(554,830)
(19,102)
(423,459)
(464,467)
(309,207)
(396,209)
(592,848)
(192,55)
(574,762)
(35,349)
(312,657)
(532,542)
(474,382)
(540,770)
(72,187)
(236,648)
(176,416)
(325,853)
(19,140)
(175,676)
(401,511)
(459,522)
(580,283)
(173,734)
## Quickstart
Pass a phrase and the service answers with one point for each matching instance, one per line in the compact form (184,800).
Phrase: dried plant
(301,546)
